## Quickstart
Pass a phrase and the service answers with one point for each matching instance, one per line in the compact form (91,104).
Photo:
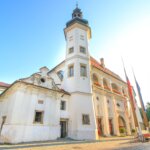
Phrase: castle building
(80,98)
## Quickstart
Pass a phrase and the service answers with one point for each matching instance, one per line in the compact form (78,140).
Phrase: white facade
(66,101)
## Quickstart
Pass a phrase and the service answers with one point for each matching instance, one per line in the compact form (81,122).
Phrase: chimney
(102,62)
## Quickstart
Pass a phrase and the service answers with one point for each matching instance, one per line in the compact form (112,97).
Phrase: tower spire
(76,4)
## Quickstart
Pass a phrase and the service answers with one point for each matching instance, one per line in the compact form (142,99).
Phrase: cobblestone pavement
(103,144)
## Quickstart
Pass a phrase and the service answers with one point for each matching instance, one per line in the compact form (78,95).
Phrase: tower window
(82,49)
(81,37)
(63,105)
(71,71)
(85,119)
(83,71)
(70,38)
(71,50)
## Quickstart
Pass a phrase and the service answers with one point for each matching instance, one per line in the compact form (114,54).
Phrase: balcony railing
(109,89)
(97,84)
(125,95)
(116,91)
(106,87)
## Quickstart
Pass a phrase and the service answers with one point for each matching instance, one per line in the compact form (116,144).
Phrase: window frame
(81,37)
(60,74)
(64,106)
(69,72)
(85,73)
(85,122)
(42,116)
(71,50)
(40,101)
(82,50)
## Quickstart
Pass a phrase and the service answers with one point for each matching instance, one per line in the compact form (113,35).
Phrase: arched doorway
(121,122)
(100,126)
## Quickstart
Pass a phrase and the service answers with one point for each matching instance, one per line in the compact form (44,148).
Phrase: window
(42,80)
(63,105)
(83,72)
(60,74)
(40,101)
(71,50)
(38,117)
(95,78)
(81,37)
(71,71)
(85,119)
(70,38)
(118,104)
(82,50)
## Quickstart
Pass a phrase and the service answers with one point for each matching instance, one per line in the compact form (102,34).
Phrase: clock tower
(77,78)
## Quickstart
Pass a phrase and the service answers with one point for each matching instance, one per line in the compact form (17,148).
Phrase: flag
(130,89)
(142,103)
(132,102)
(139,92)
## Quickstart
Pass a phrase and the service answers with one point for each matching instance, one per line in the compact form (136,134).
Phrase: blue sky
(31,35)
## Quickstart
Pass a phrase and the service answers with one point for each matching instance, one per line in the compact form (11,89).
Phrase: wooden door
(111,127)
(100,128)
(63,129)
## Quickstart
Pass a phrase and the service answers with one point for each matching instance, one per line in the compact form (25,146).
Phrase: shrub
(133,130)
(122,130)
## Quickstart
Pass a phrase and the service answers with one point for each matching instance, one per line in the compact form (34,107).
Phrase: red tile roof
(97,65)
(4,84)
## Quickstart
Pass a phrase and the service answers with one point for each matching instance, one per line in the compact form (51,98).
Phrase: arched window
(115,88)
(121,122)
(105,84)
(95,80)
(60,74)
(123,91)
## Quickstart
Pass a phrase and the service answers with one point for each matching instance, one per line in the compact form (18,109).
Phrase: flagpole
(139,126)
(130,91)
(141,102)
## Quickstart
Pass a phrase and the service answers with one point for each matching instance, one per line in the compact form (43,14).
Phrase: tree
(148,110)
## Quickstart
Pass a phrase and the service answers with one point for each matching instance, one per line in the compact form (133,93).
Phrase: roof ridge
(106,70)
(4,84)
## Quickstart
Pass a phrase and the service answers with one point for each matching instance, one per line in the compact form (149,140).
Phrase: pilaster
(115,118)
(105,119)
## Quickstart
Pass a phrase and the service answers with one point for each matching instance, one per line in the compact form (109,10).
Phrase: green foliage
(122,130)
(133,130)
(141,112)
(148,110)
